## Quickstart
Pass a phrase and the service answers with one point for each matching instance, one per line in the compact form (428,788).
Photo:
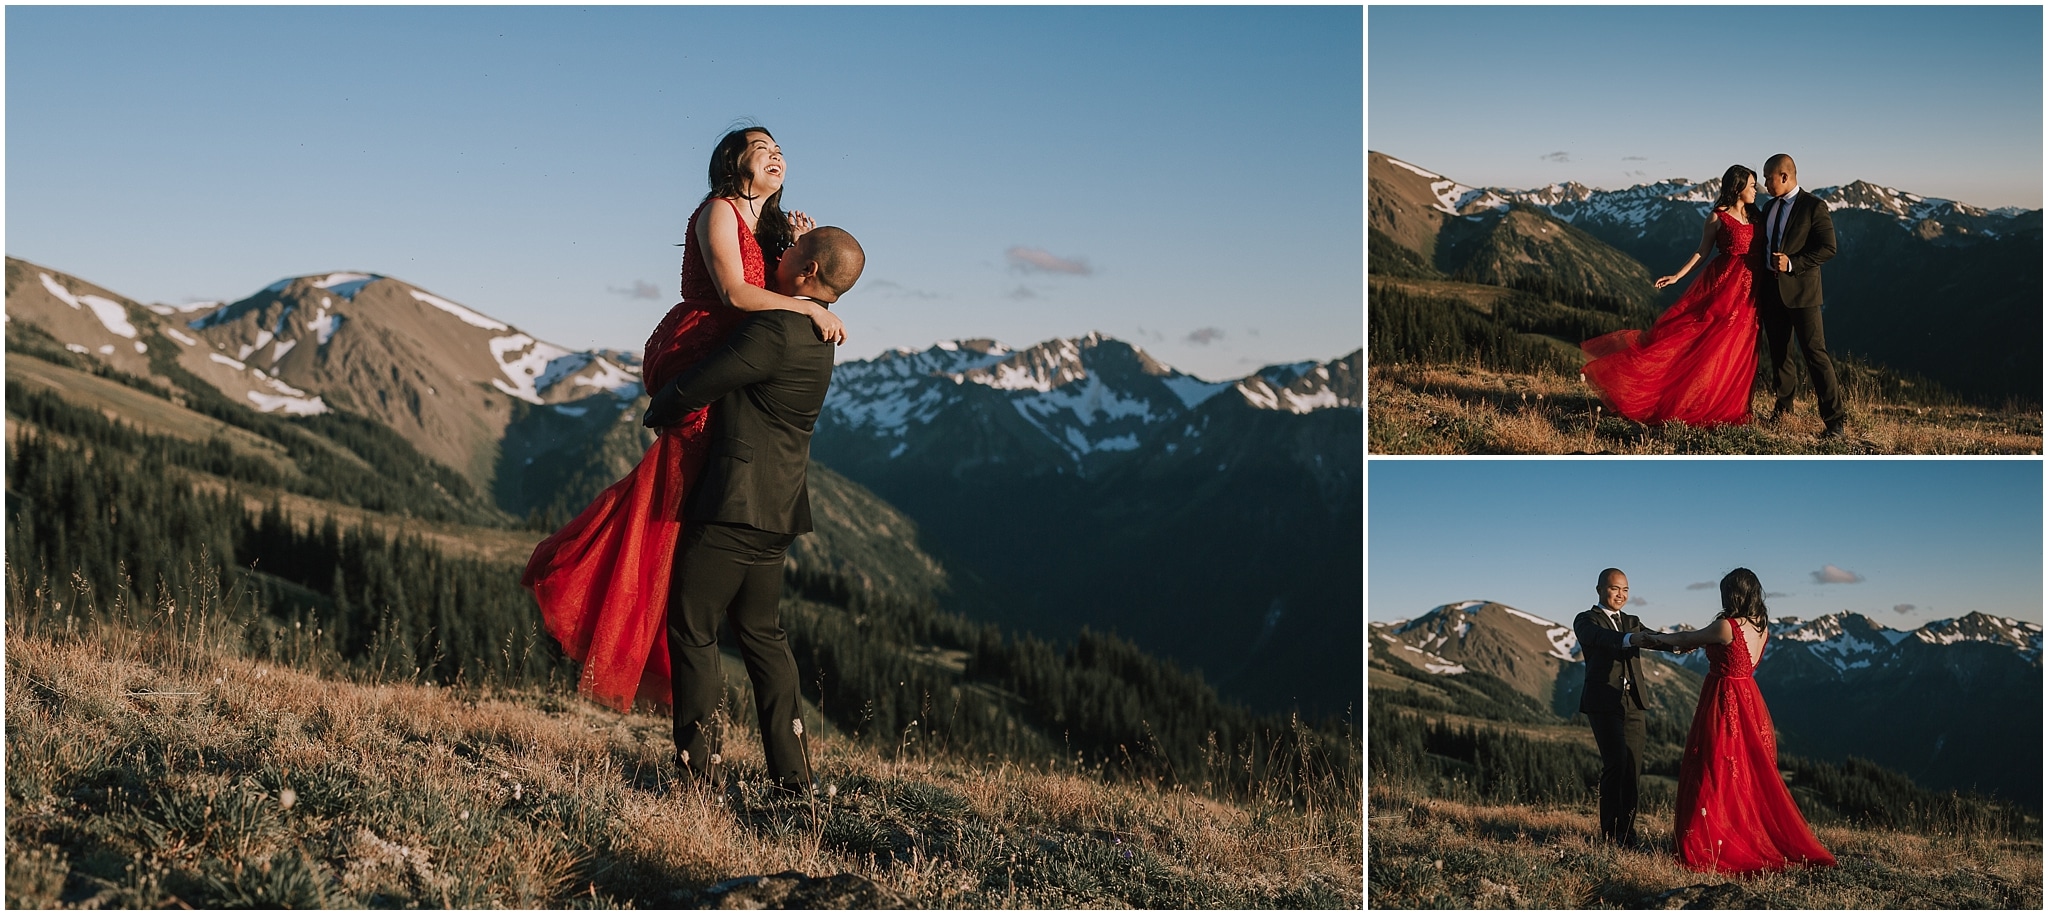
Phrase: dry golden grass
(1463,410)
(1426,853)
(146,770)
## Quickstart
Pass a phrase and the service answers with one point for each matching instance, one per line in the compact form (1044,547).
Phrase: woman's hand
(830,328)
(799,223)
(1664,281)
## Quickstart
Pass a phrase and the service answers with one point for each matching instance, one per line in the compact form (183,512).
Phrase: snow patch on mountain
(468,317)
(527,371)
(346,285)
(1425,174)
(610,377)
(111,314)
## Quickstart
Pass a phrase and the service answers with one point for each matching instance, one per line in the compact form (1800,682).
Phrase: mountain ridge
(1935,702)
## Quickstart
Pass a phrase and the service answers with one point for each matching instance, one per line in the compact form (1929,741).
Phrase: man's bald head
(1613,589)
(1780,175)
(838,257)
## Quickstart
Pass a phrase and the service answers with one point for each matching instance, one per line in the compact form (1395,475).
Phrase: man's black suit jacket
(1607,661)
(768,383)
(1809,241)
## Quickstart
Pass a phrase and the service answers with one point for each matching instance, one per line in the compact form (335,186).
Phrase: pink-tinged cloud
(1836,575)
(1042,261)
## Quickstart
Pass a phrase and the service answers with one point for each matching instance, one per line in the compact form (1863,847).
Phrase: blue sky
(1945,537)
(1938,101)
(1196,171)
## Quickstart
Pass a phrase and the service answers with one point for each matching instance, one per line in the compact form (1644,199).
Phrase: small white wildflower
(796,726)
(716,759)
(287,798)
(517,791)
(464,817)
(831,790)
(686,758)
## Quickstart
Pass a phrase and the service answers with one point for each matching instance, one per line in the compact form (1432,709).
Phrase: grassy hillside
(1429,853)
(1480,798)
(1465,368)
(207,608)
(158,766)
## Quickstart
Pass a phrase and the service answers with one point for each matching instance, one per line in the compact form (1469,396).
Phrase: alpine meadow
(1478,299)
(267,644)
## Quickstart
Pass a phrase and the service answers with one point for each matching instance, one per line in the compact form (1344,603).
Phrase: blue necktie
(1780,215)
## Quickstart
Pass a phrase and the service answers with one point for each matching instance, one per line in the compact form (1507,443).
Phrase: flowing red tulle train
(1697,362)
(602,580)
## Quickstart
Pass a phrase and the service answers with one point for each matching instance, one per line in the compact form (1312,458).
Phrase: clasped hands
(1653,643)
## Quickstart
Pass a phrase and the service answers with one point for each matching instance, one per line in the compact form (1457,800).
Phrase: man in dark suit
(1798,237)
(768,383)
(1610,642)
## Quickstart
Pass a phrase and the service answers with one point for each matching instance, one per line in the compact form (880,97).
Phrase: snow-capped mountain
(1539,657)
(1077,402)
(1897,252)
(1844,645)
(1642,206)
(443,375)
(1955,703)
(1056,470)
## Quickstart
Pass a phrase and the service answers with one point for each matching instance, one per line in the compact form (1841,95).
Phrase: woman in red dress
(1696,364)
(1734,815)
(602,581)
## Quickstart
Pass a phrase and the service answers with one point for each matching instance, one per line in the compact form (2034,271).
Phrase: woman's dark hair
(1732,182)
(729,178)
(1742,598)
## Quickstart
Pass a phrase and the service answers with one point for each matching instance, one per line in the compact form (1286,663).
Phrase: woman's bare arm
(1706,247)
(1717,633)
(718,236)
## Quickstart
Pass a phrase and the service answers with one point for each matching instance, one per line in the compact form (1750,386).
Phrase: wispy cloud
(1638,602)
(1635,158)
(1559,156)
(641,289)
(1771,594)
(1039,260)
(1699,586)
(1903,608)
(1836,575)
(1203,336)
(1021,292)
(893,289)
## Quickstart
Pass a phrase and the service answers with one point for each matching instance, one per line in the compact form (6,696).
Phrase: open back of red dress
(602,580)
(1734,814)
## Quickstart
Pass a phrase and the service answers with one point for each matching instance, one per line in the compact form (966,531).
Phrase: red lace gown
(602,580)
(1696,364)
(1734,815)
